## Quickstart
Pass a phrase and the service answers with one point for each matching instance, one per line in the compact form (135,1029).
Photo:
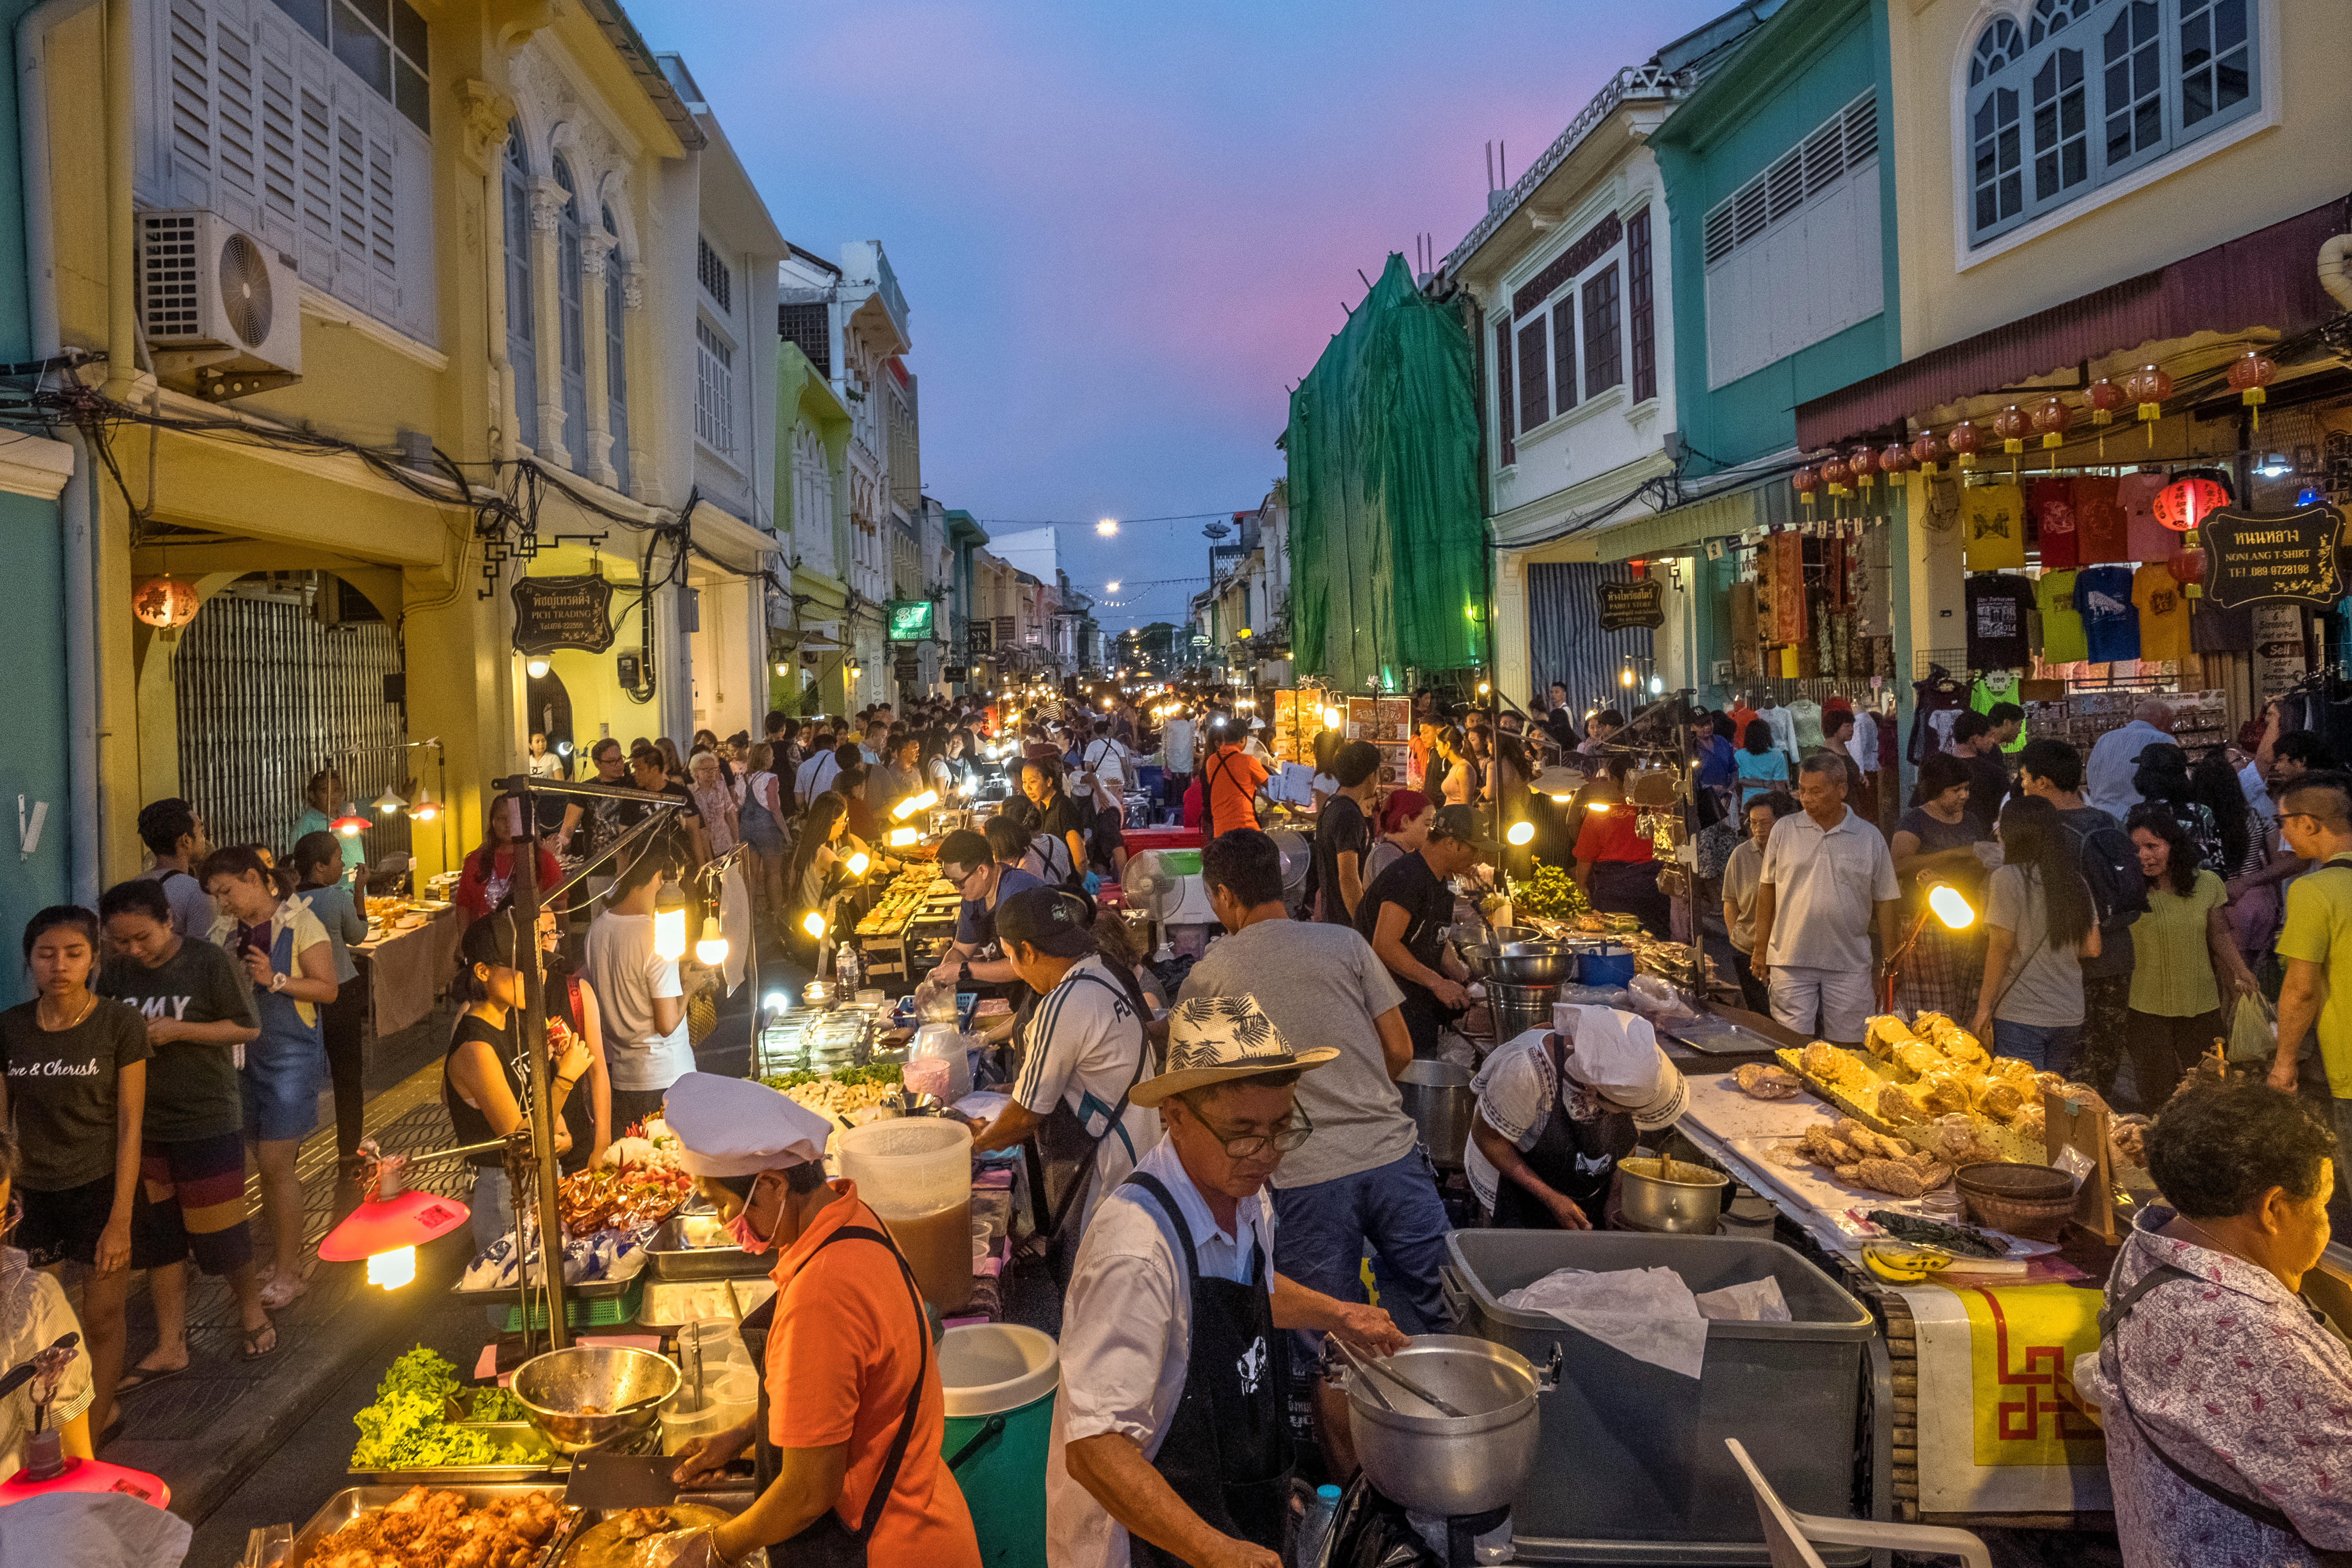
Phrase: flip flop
(138,1377)
(250,1335)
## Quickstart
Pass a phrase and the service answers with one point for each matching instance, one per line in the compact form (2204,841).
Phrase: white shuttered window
(252,116)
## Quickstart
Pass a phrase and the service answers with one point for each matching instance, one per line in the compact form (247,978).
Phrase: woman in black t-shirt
(482,1082)
(572,1001)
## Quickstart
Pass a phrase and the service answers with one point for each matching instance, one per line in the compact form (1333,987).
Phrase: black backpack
(2110,864)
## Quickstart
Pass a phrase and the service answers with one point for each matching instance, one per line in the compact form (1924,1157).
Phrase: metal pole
(525,885)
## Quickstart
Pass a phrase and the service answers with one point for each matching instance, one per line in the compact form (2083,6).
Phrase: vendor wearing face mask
(851,1415)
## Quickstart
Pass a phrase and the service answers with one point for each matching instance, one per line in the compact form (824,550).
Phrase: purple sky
(1123,234)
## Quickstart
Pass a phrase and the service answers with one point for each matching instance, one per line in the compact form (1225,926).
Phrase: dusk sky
(1125,232)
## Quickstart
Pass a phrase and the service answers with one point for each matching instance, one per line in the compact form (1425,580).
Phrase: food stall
(902,935)
(409,954)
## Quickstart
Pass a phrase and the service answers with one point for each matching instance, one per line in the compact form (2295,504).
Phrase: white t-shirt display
(628,977)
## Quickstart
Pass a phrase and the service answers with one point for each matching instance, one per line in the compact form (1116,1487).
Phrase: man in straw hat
(1170,1431)
(851,1415)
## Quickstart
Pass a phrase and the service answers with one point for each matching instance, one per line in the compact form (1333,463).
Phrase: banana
(1900,1265)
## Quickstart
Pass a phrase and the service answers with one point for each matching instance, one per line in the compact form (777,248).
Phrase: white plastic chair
(1791,1536)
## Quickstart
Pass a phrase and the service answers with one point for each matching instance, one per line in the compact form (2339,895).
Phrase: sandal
(138,1377)
(252,1350)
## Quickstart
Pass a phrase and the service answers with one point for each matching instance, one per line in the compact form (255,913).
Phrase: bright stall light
(1520,833)
(389,804)
(858,862)
(899,837)
(1951,906)
(776,1002)
(914,803)
(1560,799)
(710,951)
(669,932)
(1600,805)
(350,824)
(1111,587)
(1331,718)
(812,923)
(537,666)
(393,1269)
(1107,527)
(426,808)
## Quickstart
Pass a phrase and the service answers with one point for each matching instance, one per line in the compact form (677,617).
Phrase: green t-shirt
(62,1090)
(317,821)
(2319,929)
(2172,969)
(192,1089)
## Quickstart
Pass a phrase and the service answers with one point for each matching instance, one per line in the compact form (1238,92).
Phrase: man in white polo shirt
(1826,872)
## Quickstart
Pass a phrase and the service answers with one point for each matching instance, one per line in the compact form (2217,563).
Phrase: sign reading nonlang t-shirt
(2252,556)
(1624,604)
(562,612)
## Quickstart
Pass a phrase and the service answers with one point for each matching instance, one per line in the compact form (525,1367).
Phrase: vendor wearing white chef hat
(1556,1113)
(850,1408)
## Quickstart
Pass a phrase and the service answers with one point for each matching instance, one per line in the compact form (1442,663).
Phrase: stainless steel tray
(1720,1037)
(352,1501)
(669,1258)
(594,1291)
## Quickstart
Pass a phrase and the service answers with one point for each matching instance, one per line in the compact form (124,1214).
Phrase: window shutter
(188,43)
(281,222)
(384,253)
(1503,410)
(1535,392)
(236,189)
(1563,352)
(1642,306)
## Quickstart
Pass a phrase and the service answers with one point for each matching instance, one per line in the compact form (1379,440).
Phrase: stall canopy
(1387,537)
(2268,278)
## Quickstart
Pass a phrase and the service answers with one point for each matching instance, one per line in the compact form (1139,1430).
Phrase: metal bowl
(569,1394)
(1534,963)
(1480,958)
(1671,1195)
(1437,1464)
(1504,935)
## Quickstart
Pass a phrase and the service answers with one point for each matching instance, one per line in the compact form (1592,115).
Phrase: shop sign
(976,640)
(2279,656)
(1005,634)
(910,620)
(906,672)
(562,612)
(2254,556)
(955,673)
(1624,604)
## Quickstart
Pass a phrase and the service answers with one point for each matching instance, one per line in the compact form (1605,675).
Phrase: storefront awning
(2268,278)
(1754,495)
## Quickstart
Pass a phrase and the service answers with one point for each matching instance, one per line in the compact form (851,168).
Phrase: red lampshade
(387,1225)
(350,823)
(89,1476)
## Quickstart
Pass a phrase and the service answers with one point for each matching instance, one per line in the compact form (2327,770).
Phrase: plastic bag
(2254,1033)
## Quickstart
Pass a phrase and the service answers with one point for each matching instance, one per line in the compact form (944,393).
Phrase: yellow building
(395,304)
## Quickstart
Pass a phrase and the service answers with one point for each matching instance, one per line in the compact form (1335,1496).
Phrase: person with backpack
(1229,781)
(174,835)
(2052,769)
(2039,924)
(1101,779)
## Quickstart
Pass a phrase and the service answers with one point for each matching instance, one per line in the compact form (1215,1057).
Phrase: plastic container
(945,1044)
(1315,1531)
(916,1174)
(726,1399)
(1606,964)
(999,1379)
(1645,1445)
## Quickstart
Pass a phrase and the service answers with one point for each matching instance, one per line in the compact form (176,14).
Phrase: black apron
(1062,1139)
(826,1543)
(1227,1454)
(1576,1159)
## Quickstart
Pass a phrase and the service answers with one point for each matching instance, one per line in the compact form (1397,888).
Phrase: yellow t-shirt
(1992,523)
(2163,613)
(2319,929)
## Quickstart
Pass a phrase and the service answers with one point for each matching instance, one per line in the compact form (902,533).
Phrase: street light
(1107,527)
(536,666)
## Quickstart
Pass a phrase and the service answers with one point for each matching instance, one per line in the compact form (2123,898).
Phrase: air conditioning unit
(222,312)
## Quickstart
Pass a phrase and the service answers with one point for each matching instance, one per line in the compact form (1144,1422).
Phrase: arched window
(522,334)
(616,369)
(2070,94)
(813,498)
(572,321)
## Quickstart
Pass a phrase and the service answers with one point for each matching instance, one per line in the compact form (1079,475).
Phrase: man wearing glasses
(1171,1439)
(986,871)
(2315,943)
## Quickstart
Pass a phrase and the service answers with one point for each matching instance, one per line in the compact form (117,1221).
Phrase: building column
(547,198)
(1509,632)
(638,377)
(595,252)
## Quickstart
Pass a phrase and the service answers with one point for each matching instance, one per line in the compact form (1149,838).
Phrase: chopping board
(617,1541)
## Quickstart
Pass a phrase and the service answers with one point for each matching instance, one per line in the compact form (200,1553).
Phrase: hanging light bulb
(1951,906)
(813,923)
(537,666)
(712,951)
(914,803)
(388,803)
(899,837)
(350,824)
(858,863)
(1520,833)
(391,1269)
(1107,527)
(426,808)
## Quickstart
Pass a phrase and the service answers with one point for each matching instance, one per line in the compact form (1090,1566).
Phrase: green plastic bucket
(1000,1379)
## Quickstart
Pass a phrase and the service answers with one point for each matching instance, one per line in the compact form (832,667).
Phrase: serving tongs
(1363,1364)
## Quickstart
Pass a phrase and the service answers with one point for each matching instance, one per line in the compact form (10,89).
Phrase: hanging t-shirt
(1991,690)
(2052,502)
(2100,532)
(2163,613)
(1997,606)
(1992,521)
(2149,540)
(2103,597)
(2061,624)
(2213,629)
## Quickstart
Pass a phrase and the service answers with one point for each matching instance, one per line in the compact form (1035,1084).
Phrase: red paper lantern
(2248,376)
(1927,451)
(166,603)
(2148,387)
(1834,474)
(2185,503)
(1965,439)
(1896,460)
(2010,426)
(1805,482)
(2188,567)
(2052,419)
(2104,398)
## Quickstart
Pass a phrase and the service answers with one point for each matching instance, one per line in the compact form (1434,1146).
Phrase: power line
(1122,522)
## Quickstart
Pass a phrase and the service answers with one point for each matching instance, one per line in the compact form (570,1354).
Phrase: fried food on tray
(1883,1033)
(426,1529)
(1765,1082)
(1827,1064)
(1920,1058)
(1899,1105)
(1899,1178)
(1943,1092)
(1956,1141)
(1948,1037)
(1998,1100)
(1872,1145)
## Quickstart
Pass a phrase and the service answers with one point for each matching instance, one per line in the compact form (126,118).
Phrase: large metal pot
(1533,964)
(1670,1194)
(1437,1095)
(1437,1464)
(1518,1008)
(571,1394)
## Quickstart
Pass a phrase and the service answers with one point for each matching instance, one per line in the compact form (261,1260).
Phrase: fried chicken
(425,1528)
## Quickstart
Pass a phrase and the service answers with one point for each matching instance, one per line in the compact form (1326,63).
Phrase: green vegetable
(1549,893)
(1959,1239)
(881,1073)
(497,1404)
(406,1428)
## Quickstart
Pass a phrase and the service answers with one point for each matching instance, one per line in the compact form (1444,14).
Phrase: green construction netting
(1387,544)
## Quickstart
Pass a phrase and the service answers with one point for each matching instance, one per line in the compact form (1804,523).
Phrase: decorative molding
(595,246)
(35,465)
(632,285)
(487,112)
(547,202)
(325,307)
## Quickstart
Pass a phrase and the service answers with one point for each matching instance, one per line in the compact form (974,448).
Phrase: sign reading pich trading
(1624,604)
(562,612)
(2252,556)
(910,620)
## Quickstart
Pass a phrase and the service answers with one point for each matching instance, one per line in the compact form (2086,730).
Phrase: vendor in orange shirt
(851,1415)
(1231,779)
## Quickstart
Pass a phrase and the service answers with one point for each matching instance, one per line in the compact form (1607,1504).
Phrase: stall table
(915,908)
(406,970)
